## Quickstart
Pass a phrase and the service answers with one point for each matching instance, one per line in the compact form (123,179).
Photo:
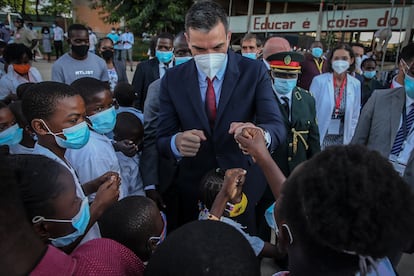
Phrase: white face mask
(210,64)
(340,66)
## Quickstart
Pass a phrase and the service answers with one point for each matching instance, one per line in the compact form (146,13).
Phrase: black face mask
(81,50)
(107,54)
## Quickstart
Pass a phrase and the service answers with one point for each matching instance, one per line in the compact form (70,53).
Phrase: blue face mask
(317,52)
(369,74)
(249,55)
(164,57)
(409,86)
(104,121)
(76,136)
(181,60)
(80,222)
(284,86)
(11,136)
(270,218)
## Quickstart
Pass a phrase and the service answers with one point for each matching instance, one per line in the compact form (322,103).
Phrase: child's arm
(106,195)
(92,186)
(231,190)
(251,141)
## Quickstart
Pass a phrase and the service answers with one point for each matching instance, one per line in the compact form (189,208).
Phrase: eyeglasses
(107,48)
(161,238)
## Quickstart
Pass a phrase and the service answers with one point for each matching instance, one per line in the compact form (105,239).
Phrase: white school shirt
(128,39)
(94,159)
(20,149)
(94,232)
(10,81)
(131,177)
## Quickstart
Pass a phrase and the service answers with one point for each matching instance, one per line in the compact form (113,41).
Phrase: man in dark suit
(208,100)
(158,172)
(152,69)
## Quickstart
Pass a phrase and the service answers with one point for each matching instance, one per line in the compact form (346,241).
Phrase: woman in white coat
(338,98)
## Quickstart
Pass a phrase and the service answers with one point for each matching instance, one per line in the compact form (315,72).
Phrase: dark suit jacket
(303,119)
(146,72)
(246,96)
(155,170)
(379,122)
(121,71)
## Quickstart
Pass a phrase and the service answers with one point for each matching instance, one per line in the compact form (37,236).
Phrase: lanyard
(338,99)
(319,65)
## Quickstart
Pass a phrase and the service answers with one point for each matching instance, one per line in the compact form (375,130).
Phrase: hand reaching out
(233,184)
(251,141)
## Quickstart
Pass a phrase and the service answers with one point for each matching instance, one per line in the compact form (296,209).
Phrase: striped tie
(399,139)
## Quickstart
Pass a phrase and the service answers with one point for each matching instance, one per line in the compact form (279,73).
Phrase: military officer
(298,108)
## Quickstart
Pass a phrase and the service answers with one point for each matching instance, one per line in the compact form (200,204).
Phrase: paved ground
(405,268)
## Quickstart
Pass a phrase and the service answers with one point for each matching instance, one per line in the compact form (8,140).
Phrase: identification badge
(334,125)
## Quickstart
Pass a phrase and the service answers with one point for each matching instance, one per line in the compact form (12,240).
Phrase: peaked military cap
(285,62)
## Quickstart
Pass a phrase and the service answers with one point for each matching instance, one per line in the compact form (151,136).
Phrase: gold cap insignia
(287,59)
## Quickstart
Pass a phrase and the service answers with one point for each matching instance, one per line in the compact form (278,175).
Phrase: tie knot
(285,99)
(209,81)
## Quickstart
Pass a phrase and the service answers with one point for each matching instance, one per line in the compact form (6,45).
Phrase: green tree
(146,15)
(57,7)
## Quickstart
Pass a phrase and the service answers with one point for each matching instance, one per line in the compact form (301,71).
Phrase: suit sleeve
(363,127)
(268,115)
(313,137)
(149,158)
(138,84)
(121,71)
(168,122)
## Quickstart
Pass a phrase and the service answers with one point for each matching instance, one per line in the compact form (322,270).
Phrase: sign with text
(348,20)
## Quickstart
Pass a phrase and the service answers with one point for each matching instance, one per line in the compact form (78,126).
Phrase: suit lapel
(397,102)
(156,68)
(231,77)
(331,92)
(193,91)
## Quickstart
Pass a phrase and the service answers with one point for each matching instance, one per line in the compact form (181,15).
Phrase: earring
(289,232)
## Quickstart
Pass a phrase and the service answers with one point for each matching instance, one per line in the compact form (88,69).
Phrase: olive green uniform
(302,132)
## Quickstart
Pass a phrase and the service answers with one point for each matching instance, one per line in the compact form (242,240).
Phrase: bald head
(275,45)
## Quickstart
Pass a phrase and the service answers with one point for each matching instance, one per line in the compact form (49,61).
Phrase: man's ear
(39,127)
(187,38)
(152,245)
(41,230)
(229,37)
(285,238)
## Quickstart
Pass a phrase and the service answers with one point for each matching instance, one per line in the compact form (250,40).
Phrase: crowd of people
(208,160)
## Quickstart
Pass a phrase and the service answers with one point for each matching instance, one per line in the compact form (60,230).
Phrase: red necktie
(211,102)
